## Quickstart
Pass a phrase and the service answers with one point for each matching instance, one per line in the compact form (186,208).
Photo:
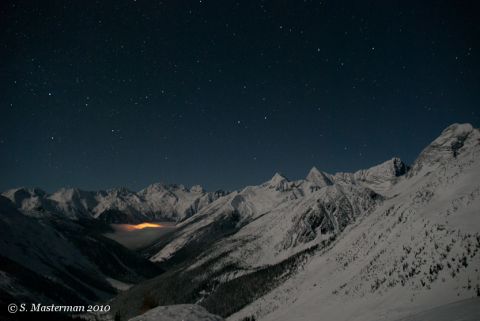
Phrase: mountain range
(378,244)
(168,202)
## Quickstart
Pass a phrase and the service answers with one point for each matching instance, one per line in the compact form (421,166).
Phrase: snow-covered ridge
(281,217)
(379,178)
(120,205)
(177,202)
(454,140)
(376,244)
(417,250)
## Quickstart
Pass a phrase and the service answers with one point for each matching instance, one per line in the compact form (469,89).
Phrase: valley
(138,236)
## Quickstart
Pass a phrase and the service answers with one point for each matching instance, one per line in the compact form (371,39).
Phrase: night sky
(99,94)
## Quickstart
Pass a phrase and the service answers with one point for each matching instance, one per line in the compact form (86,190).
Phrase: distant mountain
(156,202)
(371,245)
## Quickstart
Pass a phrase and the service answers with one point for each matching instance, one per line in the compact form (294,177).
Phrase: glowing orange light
(141,226)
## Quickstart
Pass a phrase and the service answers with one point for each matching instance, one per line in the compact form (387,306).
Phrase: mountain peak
(453,133)
(278,182)
(155,187)
(395,167)
(461,127)
(20,193)
(277,178)
(449,145)
(119,191)
(68,191)
(318,178)
(197,189)
(314,171)
(389,169)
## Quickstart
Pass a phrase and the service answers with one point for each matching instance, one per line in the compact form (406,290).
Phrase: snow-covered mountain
(384,243)
(378,178)
(156,202)
(416,251)
(273,220)
(371,245)
(49,260)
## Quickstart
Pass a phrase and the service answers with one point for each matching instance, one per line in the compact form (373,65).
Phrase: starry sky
(99,94)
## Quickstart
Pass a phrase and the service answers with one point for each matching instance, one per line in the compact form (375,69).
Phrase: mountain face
(376,244)
(272,217)
(454,140)
(417,251)
(379,178)
(62,261)
(156,202)
(318,178)
(245,234)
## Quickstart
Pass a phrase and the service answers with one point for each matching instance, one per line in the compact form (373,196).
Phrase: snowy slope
(274,220)
(418,250)
(279,218)
(244,232)
(61,261)
(464,310)
(181,312)
(379,243)
(379,178)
